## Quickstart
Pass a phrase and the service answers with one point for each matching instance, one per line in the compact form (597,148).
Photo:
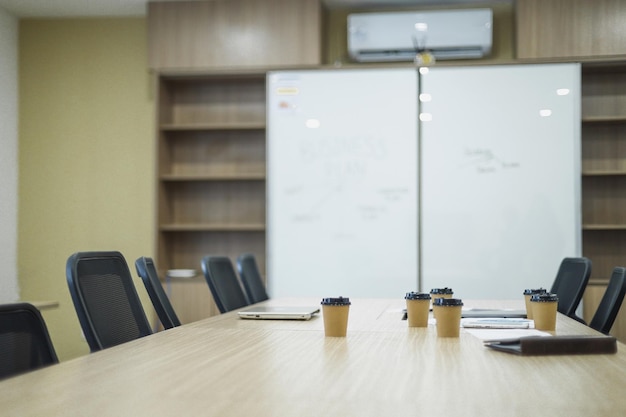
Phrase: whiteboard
(342,183)
(500,178)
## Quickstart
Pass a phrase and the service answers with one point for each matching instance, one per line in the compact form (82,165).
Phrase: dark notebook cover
(555,345)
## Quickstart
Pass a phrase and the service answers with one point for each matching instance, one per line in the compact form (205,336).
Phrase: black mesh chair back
(611,302)
(570,283)
(105,299)
(251,278)
(25,344)
(223,283)
(148,273)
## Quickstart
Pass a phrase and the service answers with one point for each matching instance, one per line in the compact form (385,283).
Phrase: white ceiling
(88,8)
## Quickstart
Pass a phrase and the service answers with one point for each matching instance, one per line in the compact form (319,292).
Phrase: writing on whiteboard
(393,193)
(313,149)
(485,161)
(341,160)
(337,169)
(342,168)
(371,212)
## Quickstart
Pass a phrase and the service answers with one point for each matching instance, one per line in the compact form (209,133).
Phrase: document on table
(492,334)
(501,328)
(497,323)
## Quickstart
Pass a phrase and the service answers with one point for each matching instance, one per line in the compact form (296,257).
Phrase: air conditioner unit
(399,36)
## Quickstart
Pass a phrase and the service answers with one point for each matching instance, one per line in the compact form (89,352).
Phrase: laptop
(278,313)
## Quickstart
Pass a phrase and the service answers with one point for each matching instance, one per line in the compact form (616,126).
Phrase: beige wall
(8,157)
(86,156)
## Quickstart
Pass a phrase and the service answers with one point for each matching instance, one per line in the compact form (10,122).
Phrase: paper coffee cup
(527,294)
(335,312)
(544,307)
(417,307)
(439,293)
(448,316)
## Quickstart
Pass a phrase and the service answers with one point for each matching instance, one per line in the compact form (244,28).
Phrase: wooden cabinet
(604,167)
(211,172)
(570,29)
(604,180)
(591,300)
(217,34)
(592,31)
(211,58)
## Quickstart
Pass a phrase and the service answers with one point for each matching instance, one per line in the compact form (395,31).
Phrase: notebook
(278,313)
(555,345)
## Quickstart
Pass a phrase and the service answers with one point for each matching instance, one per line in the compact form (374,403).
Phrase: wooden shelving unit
(604,166)
(551,32)
(604,179)
(211,59)
(211,174)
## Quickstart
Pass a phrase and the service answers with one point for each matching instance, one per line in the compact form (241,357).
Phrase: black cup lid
(339,301)
(545,297)
(446,302)
(417,296)
(529,291)
(445,290)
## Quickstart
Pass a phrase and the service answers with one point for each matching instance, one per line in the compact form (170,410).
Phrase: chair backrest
(611,302)
(223,283)
(148,273)
(25,344)
(251,278)
(570,283)
(105,299)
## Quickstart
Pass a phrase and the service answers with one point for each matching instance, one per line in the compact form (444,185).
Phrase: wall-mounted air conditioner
(399,36)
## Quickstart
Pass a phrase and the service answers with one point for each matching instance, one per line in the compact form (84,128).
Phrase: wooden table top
(226,366)
(41,305)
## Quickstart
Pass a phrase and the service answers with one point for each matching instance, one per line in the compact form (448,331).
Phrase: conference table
(227,366)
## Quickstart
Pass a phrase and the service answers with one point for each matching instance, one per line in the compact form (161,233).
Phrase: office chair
(105,299)
(223,283)
(25,344)
(611,302)
(570,283)
(163,307)
(251,278)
